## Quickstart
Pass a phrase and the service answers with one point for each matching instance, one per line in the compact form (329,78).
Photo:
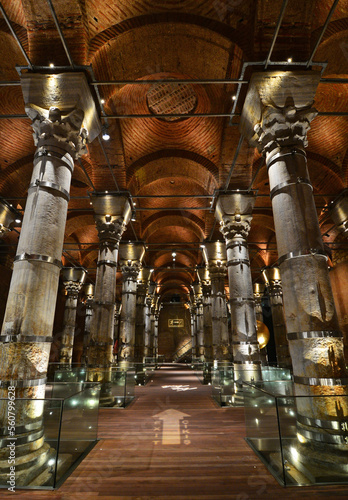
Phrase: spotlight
(289,59)
(18,221)
(51,65)
(105,134)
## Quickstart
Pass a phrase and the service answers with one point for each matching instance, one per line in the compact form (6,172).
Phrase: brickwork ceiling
(172,166)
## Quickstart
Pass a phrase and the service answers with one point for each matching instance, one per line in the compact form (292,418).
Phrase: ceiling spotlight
(289,59)
(105,134)
(234,98)
(102,101)
(173,255)
(18,221)
(51,65)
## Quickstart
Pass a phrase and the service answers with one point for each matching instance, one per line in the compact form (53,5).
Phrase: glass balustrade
(296,447)
(47,438)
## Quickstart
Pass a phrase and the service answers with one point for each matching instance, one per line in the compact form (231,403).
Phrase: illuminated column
(277,125)
(215,257)
(338,211)
(207,318)
(112,213)
(131,255)
(155,341)
(152,322)
(148,341)
(142,285)
(89,296)
(258,293)
(73,278)
(199,321)
(193,311)
(27,328)
(234,211)
(271,276)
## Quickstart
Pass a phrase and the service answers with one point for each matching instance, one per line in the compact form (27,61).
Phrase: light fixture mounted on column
(105,133)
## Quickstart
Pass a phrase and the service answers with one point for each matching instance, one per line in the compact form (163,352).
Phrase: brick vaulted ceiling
(157,159)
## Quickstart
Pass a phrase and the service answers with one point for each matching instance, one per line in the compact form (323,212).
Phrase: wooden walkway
(174,443)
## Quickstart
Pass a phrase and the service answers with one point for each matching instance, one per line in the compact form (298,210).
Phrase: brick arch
(185,220)
(207,166)
(175,17)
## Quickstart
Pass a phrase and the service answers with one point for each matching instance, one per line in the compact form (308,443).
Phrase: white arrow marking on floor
(171,425)
(179,387)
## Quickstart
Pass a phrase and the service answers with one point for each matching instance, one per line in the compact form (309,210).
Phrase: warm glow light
(301,438)
(51,65)
(289,59)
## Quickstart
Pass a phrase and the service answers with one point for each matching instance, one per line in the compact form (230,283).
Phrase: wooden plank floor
(174,443)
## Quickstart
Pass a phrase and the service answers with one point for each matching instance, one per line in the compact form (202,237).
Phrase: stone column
(207,317)
(259,289)
(199,321)
(142,286)
(193,311)
(234,211)
(73,278)
(155,343)
(278,126)
(117,317)
(112,213)
(215,257)
(272,279)
(338,212)
(131,255)
(152,322)
(89,296)
(27,328)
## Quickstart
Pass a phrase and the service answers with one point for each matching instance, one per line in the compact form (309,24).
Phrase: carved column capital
(283,127)
(110,232)
(131,271)
(235,226)
(72,288)
(52,127)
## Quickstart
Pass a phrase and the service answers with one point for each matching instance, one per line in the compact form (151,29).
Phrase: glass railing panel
(262,429)
(79,427)
(130,386)
(314,439)
(29,421)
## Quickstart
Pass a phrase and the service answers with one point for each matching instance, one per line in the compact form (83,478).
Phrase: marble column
(338,211)
(278,126)
(259,289)
(207,316)
(193,313)
(142,287)
(199,321)
(215,257)
(148,340)
(73,278)
(112,213)
(26,335)
(117,320)
(155,346)
(131,255)
(234,211)
(272,279)
(89,296)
